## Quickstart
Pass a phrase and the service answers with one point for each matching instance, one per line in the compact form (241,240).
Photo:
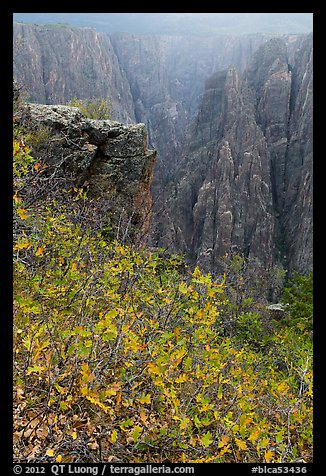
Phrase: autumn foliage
(120,353)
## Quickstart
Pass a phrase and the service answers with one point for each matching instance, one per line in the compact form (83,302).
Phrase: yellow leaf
(114,436)
(24,243)
(264,442)
(183,288)
(16,198)
(73,267)
(98,403)
(119,397)
(181,378)
(35,369)
(74,435)
(153,368)
(282,388)
(184,423)
(254,435)
(196,272)
(23,214)
(242,445)
(205,407)
(224,450)
(58,459)
(40,251)
(269,456)
(49,453)
(224,440)
(143,418)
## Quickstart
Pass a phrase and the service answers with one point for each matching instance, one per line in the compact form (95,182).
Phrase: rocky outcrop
(112,158)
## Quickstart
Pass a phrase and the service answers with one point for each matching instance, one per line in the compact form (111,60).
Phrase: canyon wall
(230,118)
(244,183)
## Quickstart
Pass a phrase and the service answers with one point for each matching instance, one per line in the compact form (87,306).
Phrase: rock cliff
(230,117)
(112,158)
(55,64)
(244,183)
(167,76)
(224,186)
(156,80)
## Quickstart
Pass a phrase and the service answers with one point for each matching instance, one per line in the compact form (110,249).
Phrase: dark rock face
(56,64)
(224,188)
(245,181)
(156,80)
(111,157)
(167,76)
(297,220)
(284,112)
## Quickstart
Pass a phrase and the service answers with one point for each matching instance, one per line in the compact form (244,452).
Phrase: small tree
(93,108)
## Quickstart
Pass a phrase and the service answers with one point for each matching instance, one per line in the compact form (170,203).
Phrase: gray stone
(112,158)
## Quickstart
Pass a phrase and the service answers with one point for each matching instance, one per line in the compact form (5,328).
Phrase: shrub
(92,108)
(120,352)
(298,294)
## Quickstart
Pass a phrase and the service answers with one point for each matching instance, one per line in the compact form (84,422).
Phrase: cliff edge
(111,158)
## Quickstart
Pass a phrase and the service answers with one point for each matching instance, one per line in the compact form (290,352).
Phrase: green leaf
(126,424)
(197,422)
(63,406)
(34,369)
(136,432)
(183,288)
(206,439)
(279,436)
(114,436)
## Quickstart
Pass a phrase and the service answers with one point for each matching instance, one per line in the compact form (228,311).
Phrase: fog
(179,23)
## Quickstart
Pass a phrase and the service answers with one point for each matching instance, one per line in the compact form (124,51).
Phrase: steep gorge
(239,177)
(153,79)
(244,183)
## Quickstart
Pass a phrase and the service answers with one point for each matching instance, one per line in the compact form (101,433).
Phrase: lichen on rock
(110,157)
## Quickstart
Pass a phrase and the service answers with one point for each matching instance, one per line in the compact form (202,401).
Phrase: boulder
(112,158)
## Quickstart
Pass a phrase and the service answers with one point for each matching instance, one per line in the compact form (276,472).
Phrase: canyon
(229,116)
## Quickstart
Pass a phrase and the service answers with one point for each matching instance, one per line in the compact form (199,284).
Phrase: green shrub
(298,295)
(92,108)
(120,353)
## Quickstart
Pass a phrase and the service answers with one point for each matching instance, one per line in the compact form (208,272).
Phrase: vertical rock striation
(224,184)
(55,64)
(297,218)
(245,181)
